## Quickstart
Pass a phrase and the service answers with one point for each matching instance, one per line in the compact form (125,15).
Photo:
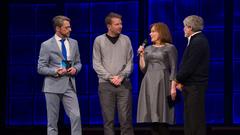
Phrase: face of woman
(155,36)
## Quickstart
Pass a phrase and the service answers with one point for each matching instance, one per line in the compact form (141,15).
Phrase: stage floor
(98,130)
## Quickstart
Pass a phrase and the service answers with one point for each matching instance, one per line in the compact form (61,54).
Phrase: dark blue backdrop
(30,24)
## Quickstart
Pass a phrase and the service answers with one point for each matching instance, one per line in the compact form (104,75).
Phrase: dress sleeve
(172,55)
(144,70)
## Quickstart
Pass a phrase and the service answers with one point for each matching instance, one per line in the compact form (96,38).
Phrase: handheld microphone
(143,44)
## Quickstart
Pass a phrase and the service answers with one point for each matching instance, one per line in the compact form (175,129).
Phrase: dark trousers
(194,110)
(160,129)
(122,97)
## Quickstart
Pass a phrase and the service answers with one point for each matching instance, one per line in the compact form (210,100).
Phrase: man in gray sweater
(113,63)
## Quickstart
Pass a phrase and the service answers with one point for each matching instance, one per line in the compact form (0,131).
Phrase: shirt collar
(193,34)
(57,37)
(189,38)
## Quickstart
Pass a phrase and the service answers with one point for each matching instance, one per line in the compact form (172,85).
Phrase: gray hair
(195,22)
(58,21)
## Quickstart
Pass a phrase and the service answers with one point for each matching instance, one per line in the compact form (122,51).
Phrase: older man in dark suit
(192,78)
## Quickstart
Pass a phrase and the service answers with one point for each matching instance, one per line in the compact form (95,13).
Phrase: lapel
(186,51)
(55,47)
(194,36)
(71,48)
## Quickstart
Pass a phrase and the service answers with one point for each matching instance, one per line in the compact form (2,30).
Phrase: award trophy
(66,64)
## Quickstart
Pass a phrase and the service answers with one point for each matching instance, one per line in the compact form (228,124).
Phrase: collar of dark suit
(195,33)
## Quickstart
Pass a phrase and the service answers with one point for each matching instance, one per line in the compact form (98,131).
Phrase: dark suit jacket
(195,62)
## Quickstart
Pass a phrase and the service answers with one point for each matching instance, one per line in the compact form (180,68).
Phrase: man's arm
(77,64)
(43,62)
(191,62)
(97,62)
(129,66)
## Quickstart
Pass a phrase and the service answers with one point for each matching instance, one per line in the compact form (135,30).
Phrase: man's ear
(190,28)
(57,28)
(108,26)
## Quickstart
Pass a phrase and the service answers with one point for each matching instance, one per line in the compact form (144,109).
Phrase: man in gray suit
(59,61)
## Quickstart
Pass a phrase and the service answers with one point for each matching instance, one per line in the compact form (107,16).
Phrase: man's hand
(72,71)
(61,71)
(179,86)
(116,80)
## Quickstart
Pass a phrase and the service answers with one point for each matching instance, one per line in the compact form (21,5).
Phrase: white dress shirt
(67,45)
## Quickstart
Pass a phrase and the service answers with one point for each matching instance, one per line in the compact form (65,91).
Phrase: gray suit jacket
(50,58)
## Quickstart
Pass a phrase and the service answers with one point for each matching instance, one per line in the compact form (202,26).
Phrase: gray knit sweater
(112,59)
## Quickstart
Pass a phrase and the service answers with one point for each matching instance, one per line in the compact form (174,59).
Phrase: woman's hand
(173,90)
(173,93)
(141,50)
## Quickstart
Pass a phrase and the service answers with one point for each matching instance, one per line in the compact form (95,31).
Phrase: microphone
(143,44)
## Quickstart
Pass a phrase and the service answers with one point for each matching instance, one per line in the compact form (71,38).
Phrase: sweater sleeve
(97,61)
(127,70)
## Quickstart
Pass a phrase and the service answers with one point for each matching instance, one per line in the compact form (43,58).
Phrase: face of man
(115,28)
(155,37)
(65,30)
(187,31)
